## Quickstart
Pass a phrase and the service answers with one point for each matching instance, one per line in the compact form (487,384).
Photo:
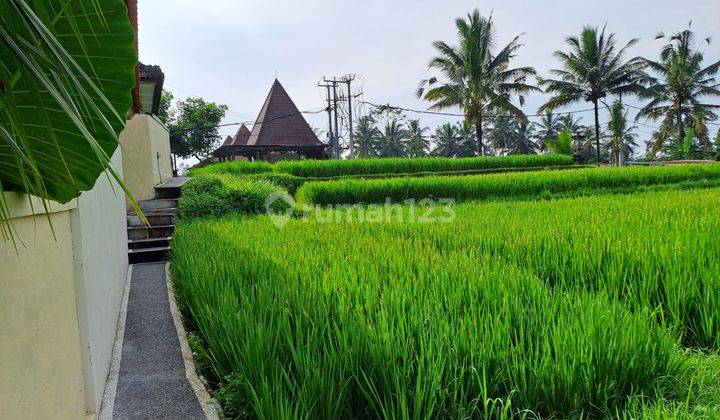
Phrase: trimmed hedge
(238,167)
(525,184)
(383,167)
(221,195)
(335,168)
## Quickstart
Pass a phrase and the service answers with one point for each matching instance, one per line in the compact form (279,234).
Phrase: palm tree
(592,69)
(548,128)
(622,138)
(61,110)
(677,93)
(467,140)
(417,144)
(447,141)
(365,138)
(478,79)
(391,141)
(521,136)
(500,132)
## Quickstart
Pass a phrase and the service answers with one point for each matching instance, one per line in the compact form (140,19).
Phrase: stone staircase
(152,243)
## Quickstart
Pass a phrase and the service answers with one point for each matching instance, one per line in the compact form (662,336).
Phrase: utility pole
(337,128)
(348,80)
(331,86)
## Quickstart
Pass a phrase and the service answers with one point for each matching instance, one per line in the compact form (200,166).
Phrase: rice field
(386,166)
(507,185)
(602,306)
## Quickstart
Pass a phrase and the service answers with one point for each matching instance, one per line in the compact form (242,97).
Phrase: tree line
(478,77)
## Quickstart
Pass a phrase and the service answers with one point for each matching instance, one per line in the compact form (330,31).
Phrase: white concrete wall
(146,155)
(100,253)
(60,299)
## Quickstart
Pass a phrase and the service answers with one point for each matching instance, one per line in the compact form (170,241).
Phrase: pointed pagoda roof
(241,137)
(228,141)
(280,123)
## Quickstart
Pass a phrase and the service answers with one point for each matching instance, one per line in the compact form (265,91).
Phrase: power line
(210,127)
(450,114)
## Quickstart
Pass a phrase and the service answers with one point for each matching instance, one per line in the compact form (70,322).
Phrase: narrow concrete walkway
(152,382)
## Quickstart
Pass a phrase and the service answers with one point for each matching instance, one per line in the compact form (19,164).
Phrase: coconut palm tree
(447,141)
(417,143)
(500,131)
(391,141)
(681,85)
(467,138)
(592,69)
(476,77)
(547,128)
(622,137)
(521,138)
(365,138)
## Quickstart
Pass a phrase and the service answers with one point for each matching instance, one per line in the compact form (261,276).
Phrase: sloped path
(152,381)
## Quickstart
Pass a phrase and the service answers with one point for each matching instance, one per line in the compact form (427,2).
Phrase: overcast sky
(230,51)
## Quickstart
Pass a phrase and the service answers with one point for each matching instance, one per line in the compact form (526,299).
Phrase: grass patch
(238,167)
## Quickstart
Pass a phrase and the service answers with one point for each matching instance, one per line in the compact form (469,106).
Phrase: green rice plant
(237,167)
(498,186)
(335,168)
(221,195)
(566,308)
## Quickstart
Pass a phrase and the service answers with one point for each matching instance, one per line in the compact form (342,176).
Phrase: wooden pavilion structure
(280,132)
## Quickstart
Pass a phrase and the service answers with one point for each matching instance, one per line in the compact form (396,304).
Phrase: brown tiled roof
(241,137)
(280,123)
(228,141)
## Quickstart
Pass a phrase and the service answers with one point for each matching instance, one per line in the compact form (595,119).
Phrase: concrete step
(172,211)
(157,219)
(150,232)
(149,242)
(143,255)
(171,188)
(158,203)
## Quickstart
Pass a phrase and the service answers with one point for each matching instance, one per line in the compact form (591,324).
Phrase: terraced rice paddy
(602,306)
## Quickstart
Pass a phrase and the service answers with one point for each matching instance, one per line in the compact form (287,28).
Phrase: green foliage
(475,76)
(193,129)
(500,311)
(502,186)
(66,73)
(563,144)
(334,168)
(237,167)
(223,194)
(684,148)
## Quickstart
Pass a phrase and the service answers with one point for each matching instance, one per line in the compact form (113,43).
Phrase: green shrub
(236,167)
(224,194)
(518,185)
(335,168)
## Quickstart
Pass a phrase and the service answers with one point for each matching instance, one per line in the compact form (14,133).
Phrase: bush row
(525,184)
(220,195)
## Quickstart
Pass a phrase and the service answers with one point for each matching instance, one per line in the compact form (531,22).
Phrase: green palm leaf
(67,68)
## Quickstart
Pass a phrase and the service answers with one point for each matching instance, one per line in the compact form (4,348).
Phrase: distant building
(280,132)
